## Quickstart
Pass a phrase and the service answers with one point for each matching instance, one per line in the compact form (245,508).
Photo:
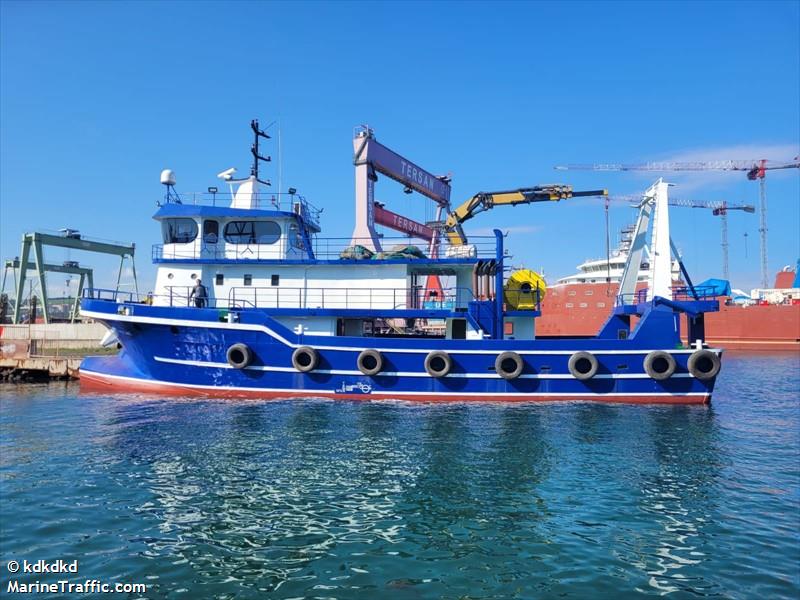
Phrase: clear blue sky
(97,98)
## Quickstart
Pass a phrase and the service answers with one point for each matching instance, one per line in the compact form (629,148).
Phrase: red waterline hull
(96,382)
(581,309)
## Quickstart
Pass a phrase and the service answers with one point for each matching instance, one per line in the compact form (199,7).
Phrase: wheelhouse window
(178,231)
(210,231)
(252,232)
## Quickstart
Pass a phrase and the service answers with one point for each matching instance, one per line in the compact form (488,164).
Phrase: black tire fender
(704,364)
(655,362)
(370,362)
(305,359)
(579,362)
(239,356)
(438,363)
(509,359)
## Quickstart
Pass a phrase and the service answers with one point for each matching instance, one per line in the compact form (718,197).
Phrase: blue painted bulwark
(185,348)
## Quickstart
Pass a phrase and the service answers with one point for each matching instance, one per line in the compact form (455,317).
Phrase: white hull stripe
(231,388)
(217,365)
(252,327)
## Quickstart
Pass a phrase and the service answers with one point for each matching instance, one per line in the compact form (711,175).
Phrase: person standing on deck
(199,293)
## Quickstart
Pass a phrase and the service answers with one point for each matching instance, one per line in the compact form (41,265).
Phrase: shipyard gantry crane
(755,169)
(719,209)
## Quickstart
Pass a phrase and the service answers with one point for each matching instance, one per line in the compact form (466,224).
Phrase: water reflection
(350,500)
(680,493)
(283,489)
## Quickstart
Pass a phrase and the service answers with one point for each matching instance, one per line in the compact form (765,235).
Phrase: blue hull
(182,350)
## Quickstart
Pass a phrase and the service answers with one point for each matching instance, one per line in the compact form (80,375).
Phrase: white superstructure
(597,270)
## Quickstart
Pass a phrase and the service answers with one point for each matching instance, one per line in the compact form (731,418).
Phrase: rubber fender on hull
(239,356)
(583,365)
(521,287)
(370,362)
(659,365)
(509,365)
(704,364)
(305,359)
(438,363)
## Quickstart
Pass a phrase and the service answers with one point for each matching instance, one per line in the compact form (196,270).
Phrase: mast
(257,158)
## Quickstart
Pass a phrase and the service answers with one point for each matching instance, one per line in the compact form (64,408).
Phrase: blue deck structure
(288,313)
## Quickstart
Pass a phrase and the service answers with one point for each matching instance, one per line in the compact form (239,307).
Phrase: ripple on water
(304,499)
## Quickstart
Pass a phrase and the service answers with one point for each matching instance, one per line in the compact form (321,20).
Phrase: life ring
(704,364)
(370,362)
(659,365)
(583,365)
(509,365)
(305,359)
(239,356)
(438,363)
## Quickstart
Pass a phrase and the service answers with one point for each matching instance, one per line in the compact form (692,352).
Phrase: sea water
(200,498)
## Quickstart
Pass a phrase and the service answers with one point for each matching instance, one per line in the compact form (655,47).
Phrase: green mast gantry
(86,276)
(72,241)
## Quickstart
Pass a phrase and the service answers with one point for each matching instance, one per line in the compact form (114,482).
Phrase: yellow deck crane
(524,289)
(483,201)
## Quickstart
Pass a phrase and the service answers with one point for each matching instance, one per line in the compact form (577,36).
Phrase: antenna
(168,180)
(280,161)
(258,133)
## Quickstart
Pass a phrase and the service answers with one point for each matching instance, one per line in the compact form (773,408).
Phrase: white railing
(349,298)
(329,249)
(247,297)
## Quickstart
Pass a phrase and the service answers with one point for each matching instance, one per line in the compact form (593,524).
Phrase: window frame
(246,232)
(168,226)
(207,232)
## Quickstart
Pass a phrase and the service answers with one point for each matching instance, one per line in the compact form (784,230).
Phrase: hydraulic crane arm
(488,200)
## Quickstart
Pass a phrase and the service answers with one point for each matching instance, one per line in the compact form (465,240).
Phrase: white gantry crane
(755,169)
(719,209)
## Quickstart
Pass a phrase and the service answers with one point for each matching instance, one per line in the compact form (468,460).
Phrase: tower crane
(719,209)
(755,169)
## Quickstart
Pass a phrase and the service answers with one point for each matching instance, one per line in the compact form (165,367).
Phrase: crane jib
(590,193)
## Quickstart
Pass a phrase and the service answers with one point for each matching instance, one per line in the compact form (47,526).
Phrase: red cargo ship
(579,304)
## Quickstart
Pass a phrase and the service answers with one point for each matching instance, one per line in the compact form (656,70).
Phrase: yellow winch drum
(520,290)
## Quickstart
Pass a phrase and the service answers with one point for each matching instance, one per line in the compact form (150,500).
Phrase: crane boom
(483,201)
(688,203)
(714,165)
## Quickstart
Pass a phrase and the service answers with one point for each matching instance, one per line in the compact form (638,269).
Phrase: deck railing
(683,292)
(327,248)
(295,203)
(248,297)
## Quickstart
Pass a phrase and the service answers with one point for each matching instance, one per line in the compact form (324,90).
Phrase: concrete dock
(40,352)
